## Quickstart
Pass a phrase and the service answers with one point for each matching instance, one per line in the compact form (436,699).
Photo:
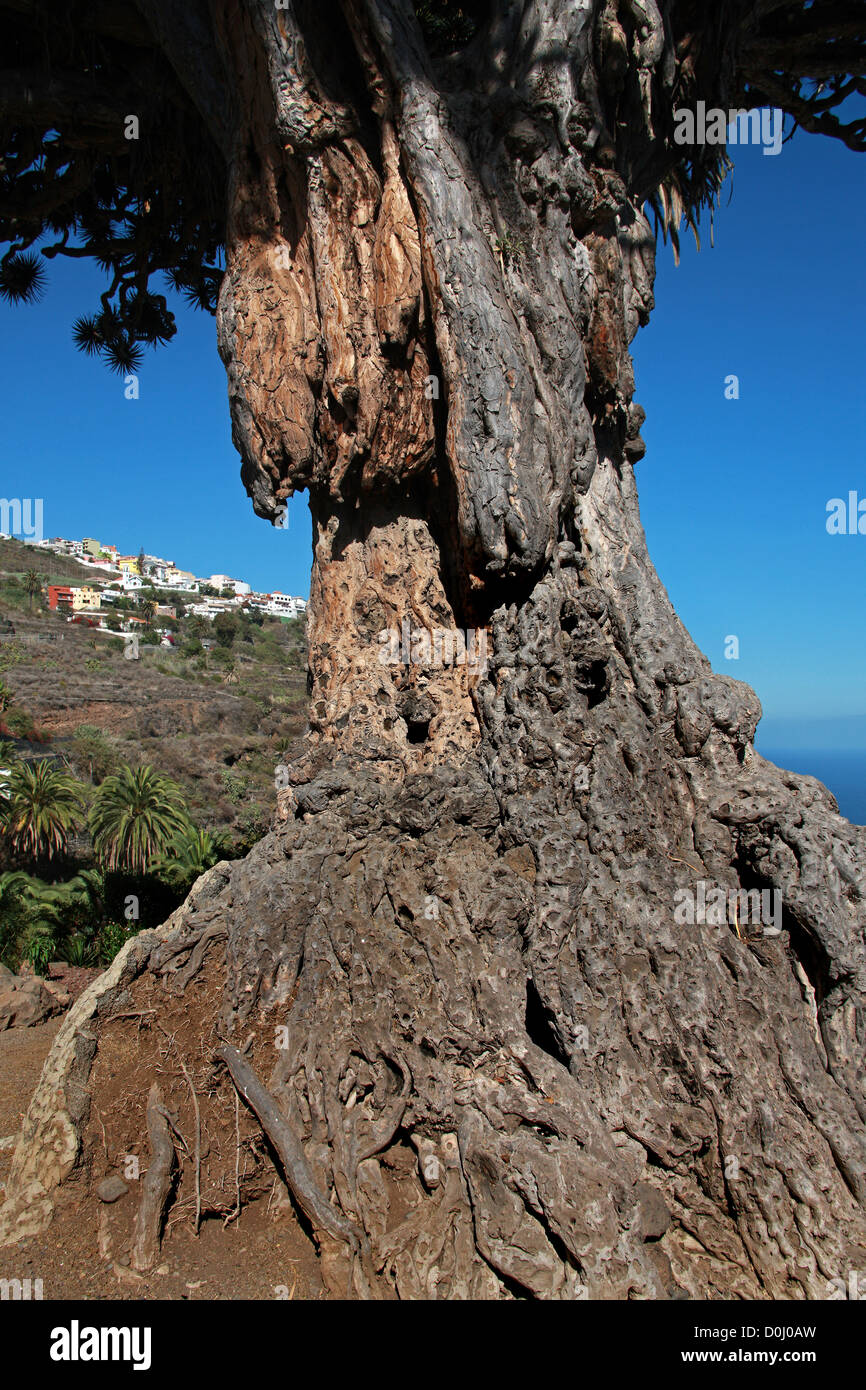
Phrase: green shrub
(19,722)
(12,654)
(79,951)
(225,627)
(112,936)
(234,787)
(254,821)
(94,753)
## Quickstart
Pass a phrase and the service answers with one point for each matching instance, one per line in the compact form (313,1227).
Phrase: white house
(209,607)
(225,581)
(284,605)
(158,569)
(104,566)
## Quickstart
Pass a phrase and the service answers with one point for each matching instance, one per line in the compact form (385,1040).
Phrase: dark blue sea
(844,773)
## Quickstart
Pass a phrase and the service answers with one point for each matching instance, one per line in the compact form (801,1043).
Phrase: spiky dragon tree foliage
(105,157)
(464,909)
(113,151)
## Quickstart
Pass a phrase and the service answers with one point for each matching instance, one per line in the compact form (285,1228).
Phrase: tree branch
(185,35)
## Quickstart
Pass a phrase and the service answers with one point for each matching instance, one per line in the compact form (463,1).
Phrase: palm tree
(14,915)
(7,758)
(135,815)
(76,903)
(33,585)
(36,934)
(188,856)
(45,914)
(54,901)
(40,810)
(148,609)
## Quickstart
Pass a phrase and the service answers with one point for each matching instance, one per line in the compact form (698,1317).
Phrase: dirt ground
(262,1253)
(258,1257)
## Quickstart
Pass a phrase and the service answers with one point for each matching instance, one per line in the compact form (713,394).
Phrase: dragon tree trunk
(511,1058)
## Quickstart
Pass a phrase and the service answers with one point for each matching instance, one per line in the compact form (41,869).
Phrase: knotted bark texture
(507,1066)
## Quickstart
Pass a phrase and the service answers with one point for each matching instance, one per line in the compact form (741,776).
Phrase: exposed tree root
(193,965)
(297,1171)
(196,1108)
(322,1215)
(156,1186)
(504,1066)
(473,1095)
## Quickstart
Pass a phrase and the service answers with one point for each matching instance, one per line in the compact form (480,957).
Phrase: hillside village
(214,696)
(121,582)
(175,751)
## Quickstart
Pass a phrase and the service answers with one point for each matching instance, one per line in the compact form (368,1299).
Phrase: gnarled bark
(507,1064)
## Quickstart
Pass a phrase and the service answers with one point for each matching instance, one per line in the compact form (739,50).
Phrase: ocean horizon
(842,771)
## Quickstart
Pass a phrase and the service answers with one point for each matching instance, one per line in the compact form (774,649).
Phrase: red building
(59,596)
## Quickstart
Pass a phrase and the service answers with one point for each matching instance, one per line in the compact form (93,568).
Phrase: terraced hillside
(217,721)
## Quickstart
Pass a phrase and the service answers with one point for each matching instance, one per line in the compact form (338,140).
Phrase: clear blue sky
(733,492)
(158,473)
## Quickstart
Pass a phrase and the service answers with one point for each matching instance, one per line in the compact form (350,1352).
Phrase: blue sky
(159,472)
(733,492)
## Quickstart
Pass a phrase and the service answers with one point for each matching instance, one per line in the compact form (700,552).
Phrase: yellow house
(128,564)
(85,597)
